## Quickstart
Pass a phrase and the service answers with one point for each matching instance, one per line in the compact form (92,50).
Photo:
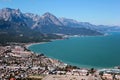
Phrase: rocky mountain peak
(48,19)
(9,10)
(47,14)
(9,14)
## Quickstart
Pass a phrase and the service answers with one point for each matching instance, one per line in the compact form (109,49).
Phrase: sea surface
(88,52)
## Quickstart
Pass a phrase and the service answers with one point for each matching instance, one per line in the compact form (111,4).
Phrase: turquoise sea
(89,51)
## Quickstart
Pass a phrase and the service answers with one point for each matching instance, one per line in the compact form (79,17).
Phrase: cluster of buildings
(16,61)
(110,74)
(21,63)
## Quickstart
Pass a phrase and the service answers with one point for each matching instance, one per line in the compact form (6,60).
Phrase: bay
(89,51)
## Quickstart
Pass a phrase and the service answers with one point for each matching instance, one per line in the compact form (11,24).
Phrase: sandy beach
(30,44)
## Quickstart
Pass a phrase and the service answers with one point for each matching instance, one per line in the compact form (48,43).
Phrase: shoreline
(69,63)
(73,64)
(68,37)
(42,66)
(35,43)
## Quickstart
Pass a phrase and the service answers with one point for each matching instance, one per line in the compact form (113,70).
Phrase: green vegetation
(19,32)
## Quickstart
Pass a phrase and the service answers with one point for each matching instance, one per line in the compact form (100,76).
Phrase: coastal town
(19,63)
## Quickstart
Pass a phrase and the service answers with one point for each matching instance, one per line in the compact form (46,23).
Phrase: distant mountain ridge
(47,23)
(101,28)
(16,26)
(47,19)
(74,23)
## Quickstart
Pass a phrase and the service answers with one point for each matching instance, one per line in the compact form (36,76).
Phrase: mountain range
(32,26)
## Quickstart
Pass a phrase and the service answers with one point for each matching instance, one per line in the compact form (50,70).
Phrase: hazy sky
(105,12)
